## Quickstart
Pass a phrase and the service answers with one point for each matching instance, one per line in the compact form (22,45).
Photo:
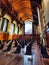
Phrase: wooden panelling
(4,36)
(1,36)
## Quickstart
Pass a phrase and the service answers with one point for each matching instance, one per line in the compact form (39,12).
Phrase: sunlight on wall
(0,23)
(21,31)
(45,6)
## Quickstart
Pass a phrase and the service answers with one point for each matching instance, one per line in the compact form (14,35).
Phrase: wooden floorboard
(5,59)
(16,59)
(8,59)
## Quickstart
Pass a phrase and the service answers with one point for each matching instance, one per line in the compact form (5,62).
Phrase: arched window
(4,25)
(28,27)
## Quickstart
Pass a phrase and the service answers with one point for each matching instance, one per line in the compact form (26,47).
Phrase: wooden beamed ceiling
(21,9)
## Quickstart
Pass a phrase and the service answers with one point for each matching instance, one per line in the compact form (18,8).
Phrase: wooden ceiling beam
(8,10)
